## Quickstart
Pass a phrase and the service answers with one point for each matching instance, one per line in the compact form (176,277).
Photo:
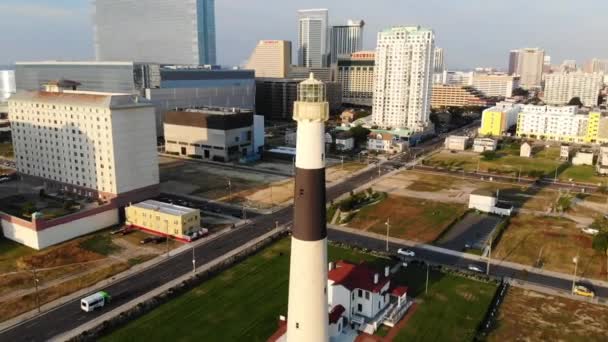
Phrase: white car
(475,268)
(591,231)
(406,252)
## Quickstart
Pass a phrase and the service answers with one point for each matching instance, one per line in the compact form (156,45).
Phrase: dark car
(147,240)
(159,239)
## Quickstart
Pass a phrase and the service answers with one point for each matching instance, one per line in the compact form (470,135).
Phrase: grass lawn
(410,218)
(582,173)
(559,240)
(531,316)
(100,244)
(6,150)
(10,252)
(243,303)
(451,311)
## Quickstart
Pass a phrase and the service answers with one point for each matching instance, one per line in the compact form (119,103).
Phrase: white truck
(94,301)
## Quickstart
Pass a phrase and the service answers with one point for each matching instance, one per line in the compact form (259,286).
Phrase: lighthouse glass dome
(311,90)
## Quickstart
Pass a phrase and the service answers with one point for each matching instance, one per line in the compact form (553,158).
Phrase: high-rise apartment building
(270,58)
(7,84)
(457,96)
(156,31)
(439,62)
(530,67)
(402,77)
(513,60)
(313,38)
(495,84)
(346,39)
(355,73)
(561,87)
(497,120)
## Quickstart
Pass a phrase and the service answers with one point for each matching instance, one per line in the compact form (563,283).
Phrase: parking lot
(472,232)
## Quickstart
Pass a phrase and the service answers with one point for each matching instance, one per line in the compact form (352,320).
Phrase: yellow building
(497,120)
(164,219)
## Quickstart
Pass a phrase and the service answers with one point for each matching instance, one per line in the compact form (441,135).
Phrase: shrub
(489,155)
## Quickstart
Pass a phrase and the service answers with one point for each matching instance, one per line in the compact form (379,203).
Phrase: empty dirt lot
(530,316)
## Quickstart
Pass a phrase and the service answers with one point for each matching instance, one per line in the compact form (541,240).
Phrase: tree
(489,155)
(600,242)
(360,134)
(520,92)
(575,101)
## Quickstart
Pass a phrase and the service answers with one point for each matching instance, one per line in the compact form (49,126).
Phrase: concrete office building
(561,87)
(555,123)
(530,67)
(439,61)
(155,31)
(270,58)
(513,60)
(313,38)
(460,78)
(218,134)
(346,39)
(495,84)
(457,96)
(98,145)
(402,77)
(166,86)
(355,73)
(7,84)
(275,97)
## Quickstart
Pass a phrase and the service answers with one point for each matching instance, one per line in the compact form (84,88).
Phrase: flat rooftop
(166,208)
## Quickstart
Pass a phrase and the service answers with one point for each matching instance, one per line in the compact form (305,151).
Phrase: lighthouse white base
(307,318)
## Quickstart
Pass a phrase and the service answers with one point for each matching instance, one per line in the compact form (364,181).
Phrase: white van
(94,301)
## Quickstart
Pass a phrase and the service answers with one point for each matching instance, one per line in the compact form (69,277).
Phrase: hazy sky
(472,32)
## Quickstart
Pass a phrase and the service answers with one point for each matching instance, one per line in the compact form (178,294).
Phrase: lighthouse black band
(309,209)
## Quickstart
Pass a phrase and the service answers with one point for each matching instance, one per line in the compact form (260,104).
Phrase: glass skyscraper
(155,31)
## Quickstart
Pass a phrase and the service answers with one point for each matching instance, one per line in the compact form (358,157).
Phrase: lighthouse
(307,317)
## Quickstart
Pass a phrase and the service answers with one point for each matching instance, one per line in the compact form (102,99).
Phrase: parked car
(159,239)
(583,290)
(406,252)
(147,240)
(474,268)
(590,231)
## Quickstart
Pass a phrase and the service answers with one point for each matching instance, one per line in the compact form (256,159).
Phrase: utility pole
(478,162)
(540,254)
(388,227)
(519,175)
(555,178)
(426,287)
(36,281)
(378,169)
(167,241)
(193,261)
(490,252)
(271,201)
(229,189)
(342,162)
(244,213)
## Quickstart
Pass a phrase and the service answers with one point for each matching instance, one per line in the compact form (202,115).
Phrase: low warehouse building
(164,219)
(457,142)
(485,201)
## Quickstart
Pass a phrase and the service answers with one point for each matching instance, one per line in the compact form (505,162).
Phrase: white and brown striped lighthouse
(307,317)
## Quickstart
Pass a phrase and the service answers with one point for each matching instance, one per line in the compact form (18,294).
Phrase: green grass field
(10,251)
(244,302)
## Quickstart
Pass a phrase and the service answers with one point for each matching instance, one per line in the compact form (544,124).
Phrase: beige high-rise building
(355,73)
(495,84)
(530,67)
(270,58)
(100,145)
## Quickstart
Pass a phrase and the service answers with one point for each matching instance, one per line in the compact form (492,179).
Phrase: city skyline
(73,39)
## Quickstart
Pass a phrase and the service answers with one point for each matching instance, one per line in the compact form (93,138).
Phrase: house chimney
(387,270)
(331,266)
(376,278)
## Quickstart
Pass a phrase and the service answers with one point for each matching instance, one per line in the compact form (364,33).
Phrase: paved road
(450,260)
(69,315)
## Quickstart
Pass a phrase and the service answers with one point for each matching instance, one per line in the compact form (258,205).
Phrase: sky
(472,32)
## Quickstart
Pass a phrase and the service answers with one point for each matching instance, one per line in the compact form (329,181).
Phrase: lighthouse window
(301,192)
(297,325)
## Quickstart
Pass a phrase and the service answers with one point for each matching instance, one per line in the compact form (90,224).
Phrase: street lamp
(388,227)
(575,261)
(36,283)
(193,261)
(229,188)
